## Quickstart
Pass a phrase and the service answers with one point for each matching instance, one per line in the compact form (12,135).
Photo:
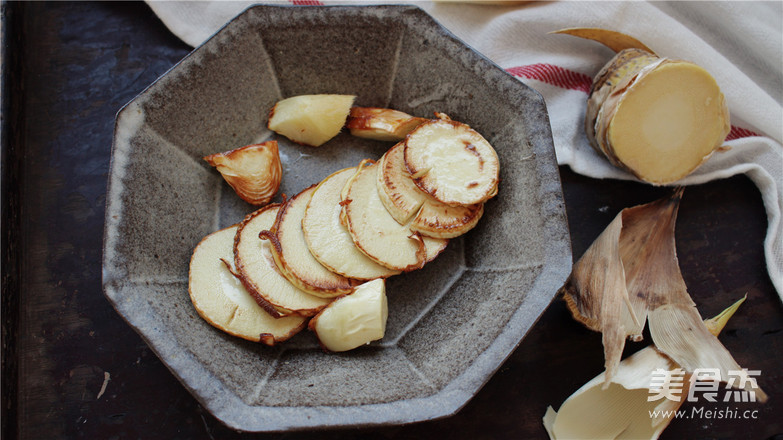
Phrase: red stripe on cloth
(555,75)
(739,132)
(307,3)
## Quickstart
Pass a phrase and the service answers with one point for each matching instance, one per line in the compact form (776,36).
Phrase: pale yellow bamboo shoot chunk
(657,118)
(669,122)
(310,119)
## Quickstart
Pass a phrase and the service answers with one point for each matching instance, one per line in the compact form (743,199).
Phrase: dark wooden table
(70,66)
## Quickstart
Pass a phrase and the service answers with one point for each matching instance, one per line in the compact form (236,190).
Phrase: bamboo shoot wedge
(630,276)
(310,119)
(253,171)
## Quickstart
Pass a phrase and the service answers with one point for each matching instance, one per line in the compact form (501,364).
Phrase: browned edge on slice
(374,231)
(259,272)
(293,257)
(452,162)
(220,299)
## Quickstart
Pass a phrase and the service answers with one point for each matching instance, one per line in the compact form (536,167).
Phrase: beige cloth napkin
(740,43)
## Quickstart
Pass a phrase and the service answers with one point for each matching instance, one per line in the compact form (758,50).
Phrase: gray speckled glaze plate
(451,324)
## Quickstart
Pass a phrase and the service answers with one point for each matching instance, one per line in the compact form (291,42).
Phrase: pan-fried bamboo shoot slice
(293,257)
(329,240)
(408,204)
(374,230)
(258,271)
(381,124)
(401,197)
(452,162)
(433,247)
(220,298)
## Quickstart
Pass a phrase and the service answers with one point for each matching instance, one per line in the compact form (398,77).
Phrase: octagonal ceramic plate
(451,324)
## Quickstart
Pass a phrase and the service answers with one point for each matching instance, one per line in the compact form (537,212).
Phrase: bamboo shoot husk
(634,262)
(614,40)
(621,410)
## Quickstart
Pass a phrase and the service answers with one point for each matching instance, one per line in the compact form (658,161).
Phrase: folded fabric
(739,43)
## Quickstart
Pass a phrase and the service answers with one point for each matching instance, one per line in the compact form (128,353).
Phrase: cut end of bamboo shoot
(669,122)
(657,118)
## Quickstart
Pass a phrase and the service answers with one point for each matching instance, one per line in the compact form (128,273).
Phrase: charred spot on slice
(472,149)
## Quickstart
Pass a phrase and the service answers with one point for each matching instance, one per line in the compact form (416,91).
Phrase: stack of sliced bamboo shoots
(323,254)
